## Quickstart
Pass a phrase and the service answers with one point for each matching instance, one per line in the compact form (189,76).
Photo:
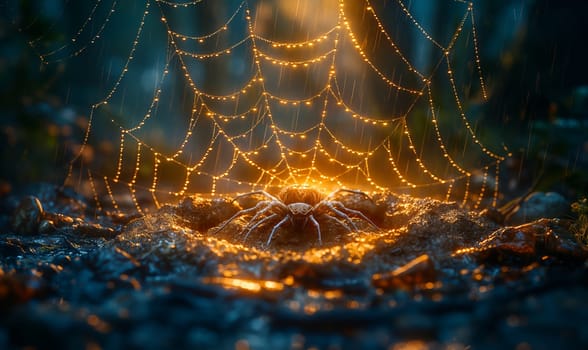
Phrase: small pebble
(46,226)
(539,205)
(27,216)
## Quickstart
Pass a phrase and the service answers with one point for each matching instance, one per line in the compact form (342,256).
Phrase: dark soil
(434,275)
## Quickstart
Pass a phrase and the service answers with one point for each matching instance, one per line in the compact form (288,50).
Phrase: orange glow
(333,294)
(411,345)
(245,284)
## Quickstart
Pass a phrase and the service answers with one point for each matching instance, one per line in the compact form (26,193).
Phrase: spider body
(297,206)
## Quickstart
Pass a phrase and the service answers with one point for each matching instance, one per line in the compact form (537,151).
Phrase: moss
(580,227)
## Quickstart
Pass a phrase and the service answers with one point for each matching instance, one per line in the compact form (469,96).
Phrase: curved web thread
(75,47)
(300,112)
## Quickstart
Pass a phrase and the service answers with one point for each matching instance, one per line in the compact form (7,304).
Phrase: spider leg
(257,215)
(343,224)
(331,205)
(318,228)
(346,210)
(258,223)
(271,205)
(357,213)
(241,213)
(276,228)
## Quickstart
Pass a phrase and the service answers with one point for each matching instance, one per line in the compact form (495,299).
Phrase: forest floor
(433,275)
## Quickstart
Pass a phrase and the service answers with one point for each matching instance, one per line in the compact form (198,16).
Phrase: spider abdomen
(300,195)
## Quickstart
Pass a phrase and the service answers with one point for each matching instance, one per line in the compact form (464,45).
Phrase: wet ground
(434,275)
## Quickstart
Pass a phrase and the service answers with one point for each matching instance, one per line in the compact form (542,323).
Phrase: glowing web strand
(224,51)
(94,192)
(466,194)
(283,101)
(299,63)
(477,52)
(383,30)
(191,125)
(321,126)
(418,25)
(482,189)
(257,78)
(267,104)
(120,156)
(394,165)
(130,57)
(179,4)
(229,96)
(440,142)
(496,184)
(156,97)
(198,92)
(131,185)
(111,92)
(372,66)
(277,175)
(389,82)
(153,188)
(78,32)
(111,195)
(172,159)
(357,115)
(457,99)
(295,102)
(454,88)
(92,41)
(280,101)
(298,44)
(417,157)
(462,113)
(449,189)
(202,38)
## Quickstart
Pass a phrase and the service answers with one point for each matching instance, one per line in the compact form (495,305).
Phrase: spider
(298,206)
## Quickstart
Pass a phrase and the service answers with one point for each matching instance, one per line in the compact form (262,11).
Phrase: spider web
(323,93)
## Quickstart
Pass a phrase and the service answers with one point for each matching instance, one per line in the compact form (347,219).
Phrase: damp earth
(435,275)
